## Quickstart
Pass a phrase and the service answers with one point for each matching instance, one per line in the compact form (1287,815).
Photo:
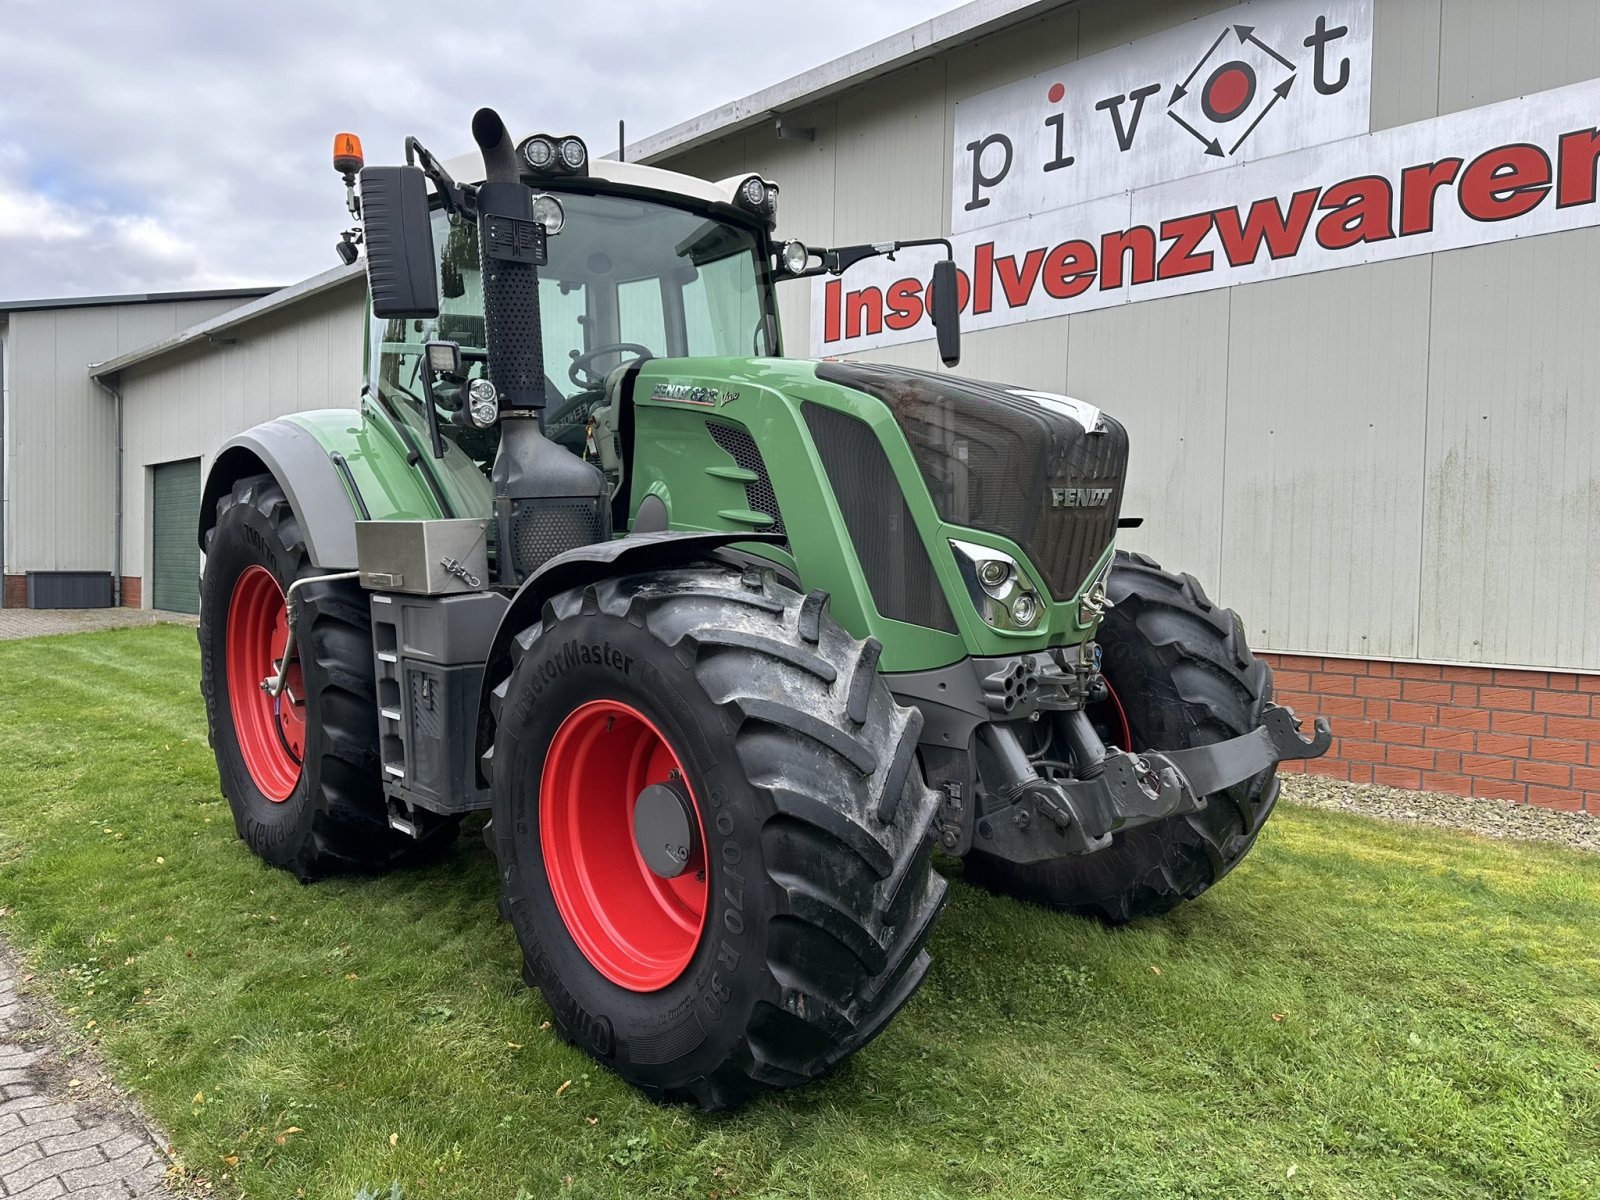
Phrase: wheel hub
(663,829)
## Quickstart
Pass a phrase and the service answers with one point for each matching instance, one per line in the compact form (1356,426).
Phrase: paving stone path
(38,622)
(52,1143)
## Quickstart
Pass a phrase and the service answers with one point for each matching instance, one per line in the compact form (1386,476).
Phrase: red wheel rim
(636,928)
(271,733)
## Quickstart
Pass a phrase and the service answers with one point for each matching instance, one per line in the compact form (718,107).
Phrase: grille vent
(758,493)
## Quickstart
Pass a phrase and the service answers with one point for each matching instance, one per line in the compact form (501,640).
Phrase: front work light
(753,193)
(574,154)
(548,214)
(795,257)
(444,358)
(539,152)
(1001,591)
(483,403)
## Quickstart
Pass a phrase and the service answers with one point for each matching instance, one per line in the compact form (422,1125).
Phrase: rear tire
(801,772)
(327,812)
(1184,676)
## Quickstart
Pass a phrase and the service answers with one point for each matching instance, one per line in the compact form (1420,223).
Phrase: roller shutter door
(175,561)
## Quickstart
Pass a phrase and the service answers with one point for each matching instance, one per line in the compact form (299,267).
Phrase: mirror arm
(455,197)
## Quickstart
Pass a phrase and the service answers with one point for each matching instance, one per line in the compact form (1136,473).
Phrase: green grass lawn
(1363,1009)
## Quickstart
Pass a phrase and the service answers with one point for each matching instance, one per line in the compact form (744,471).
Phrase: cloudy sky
(158,145)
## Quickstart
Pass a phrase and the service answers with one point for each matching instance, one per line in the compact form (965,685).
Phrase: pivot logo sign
(1262,79)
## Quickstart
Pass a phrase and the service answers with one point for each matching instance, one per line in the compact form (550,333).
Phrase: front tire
(803,933)
(301,775)
(1182,676)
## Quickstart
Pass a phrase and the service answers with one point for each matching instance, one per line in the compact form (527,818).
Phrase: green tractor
(728,644)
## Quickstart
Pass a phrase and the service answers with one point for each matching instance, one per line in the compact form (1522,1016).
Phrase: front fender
(636,554)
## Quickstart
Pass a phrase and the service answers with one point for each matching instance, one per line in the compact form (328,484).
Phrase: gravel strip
(1488,818)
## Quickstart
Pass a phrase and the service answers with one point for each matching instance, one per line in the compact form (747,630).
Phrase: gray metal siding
(1395,460)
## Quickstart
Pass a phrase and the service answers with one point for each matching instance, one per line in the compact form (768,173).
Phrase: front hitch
(1040,819)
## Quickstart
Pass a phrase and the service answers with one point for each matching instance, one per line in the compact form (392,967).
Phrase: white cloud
(167,144)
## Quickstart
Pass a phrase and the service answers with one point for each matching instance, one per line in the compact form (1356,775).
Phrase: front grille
(758,493)
(888,546)
(992,459)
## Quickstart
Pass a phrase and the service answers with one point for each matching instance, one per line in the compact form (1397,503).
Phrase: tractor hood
(1044,470)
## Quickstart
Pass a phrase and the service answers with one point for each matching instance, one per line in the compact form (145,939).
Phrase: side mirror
(946,311)
(401,267)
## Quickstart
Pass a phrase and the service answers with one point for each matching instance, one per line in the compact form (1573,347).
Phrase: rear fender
(303,468)
(637,554)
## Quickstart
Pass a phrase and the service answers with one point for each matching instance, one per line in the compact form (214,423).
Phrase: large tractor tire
(301,774)
(712,831)
(1181,676)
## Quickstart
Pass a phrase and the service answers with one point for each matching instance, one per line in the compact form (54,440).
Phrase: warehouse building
(1334,263)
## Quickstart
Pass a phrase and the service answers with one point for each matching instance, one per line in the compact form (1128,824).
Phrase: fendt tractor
(728,644)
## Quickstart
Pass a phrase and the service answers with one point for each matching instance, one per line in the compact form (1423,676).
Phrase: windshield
(621,270)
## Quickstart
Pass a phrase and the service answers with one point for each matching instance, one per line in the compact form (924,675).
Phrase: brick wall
(1529,736)
(16,591)
(132,591)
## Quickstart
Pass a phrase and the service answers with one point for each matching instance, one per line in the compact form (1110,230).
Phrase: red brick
(1463,695)
(1448,762)
(1405,670)
(1293,697)
(1291,681)
(1333,768)
(1386,689)
(1584,729)
(1456,785)
(1561,798)
(1567,704)
(1360,772)
(1400,735)
(1464,718)
(1333,706)
(1382,669)
(1345,666)
(1297,662)
(1589,683)
(1416,714)
(1502,743)
(1527,679)
(1398,777)
(1499,789)
(1587,778)
(1333,685)
(1528,723)
(1297,767)
(132,591)
(1428,692)
(1409,756)
(1487,767)
(1378,710)
(1562,683)
(14,591)
(1360,751)
(1554,750)
(1355,727)
(1550,774)
(1507,699)
(1472,675)
(1449,739)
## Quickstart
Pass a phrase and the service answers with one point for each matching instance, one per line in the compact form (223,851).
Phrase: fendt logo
(1079,497)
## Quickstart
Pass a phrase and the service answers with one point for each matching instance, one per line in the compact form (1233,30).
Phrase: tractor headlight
(548,214)
(574,154)
(483,403)
(1001,591)
(539,152)
(795,257)
(753,194)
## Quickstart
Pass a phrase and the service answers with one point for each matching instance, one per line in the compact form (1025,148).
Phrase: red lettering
(1579,151)
(1265,224)
(1185,234)
(1358,211)
(1069,270)
(831,295)
(905,304)
(863,312)
(1141,241)
(1506,182)
(1018,285)
(1418,185)
(983,278)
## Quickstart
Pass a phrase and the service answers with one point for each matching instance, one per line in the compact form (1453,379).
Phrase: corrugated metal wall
(188,403)
(61,428)
(1429,490)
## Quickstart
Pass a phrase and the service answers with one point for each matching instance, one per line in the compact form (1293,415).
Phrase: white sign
(1514,169)
(1266,78)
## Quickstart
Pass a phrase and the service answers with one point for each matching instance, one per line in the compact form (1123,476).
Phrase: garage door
(175,564)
